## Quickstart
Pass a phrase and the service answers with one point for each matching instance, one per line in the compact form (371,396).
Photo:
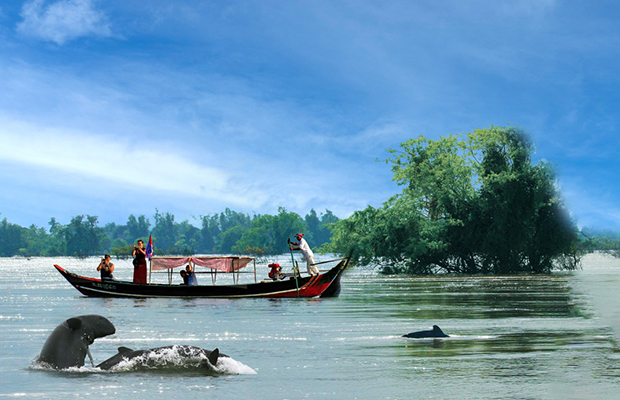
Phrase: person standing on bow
(306,252)
(139,263)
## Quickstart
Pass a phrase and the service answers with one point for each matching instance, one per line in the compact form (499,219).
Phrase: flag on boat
(149,248)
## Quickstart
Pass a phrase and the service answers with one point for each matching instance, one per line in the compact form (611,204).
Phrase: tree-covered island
(470,203)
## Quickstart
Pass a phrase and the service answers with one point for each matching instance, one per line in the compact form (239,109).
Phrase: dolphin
(436,332)
(67,346)
(176,356)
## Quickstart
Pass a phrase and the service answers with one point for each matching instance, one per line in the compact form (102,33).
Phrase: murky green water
(518,337)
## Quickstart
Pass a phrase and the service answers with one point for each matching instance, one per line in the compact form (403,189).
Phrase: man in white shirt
(306,252)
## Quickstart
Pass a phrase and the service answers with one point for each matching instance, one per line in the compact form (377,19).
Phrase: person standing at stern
(306,252)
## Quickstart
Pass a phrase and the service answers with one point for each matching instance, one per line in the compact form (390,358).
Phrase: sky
(112,108)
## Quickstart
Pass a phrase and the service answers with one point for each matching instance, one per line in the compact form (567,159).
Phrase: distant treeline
(600,240)
(224,233)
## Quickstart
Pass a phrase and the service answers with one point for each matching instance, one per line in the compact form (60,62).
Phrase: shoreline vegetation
(228,232)
(470,203)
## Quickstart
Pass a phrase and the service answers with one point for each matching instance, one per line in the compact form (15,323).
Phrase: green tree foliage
(165,232)
(469,204)
(223,233)
(38,243)
(11,238)
(232,226)
(58,243)
(270,233)
(604,240)
(82,236)
(209,232)
(220,232)
(319,227)
(188,238)
(114,235)
(229,238)
(138,227)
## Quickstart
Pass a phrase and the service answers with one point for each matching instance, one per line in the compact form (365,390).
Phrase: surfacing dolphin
(166,357)
(67,346)
(436,332)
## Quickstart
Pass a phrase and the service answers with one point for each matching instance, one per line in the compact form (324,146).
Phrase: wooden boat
(326,284)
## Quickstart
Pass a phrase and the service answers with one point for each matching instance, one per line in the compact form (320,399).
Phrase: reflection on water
(546,296)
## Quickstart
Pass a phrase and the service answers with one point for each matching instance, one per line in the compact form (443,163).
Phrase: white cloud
(117,160)
(63,20)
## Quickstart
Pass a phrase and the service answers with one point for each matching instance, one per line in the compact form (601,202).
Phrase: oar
(295,271)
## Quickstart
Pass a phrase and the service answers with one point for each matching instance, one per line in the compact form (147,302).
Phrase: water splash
(169,360)
(180,359)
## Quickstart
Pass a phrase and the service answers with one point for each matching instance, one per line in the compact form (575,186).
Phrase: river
(517,337)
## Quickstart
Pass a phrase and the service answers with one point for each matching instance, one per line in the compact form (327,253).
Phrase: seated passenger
(184,276)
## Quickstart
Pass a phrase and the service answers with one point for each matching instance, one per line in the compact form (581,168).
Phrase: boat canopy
(224,264)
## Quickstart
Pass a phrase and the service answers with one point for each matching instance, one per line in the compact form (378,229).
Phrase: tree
(38,243)
(58,244)
(270,233)
(209,233)
(11,238)
(323,234)
(229,238)
(230,219)
(469,204)
(82,236)
(188,239)
(137,227)
(164,231)
(313,227)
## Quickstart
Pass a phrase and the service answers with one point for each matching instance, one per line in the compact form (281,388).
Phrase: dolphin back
(436,332)
(124,353)
(215,354)
(175,357)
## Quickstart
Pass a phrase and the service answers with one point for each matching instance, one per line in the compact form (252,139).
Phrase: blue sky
(112,108)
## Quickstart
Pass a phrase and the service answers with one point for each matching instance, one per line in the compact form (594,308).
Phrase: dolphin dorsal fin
(74,323)
(215,354)
(124,349)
